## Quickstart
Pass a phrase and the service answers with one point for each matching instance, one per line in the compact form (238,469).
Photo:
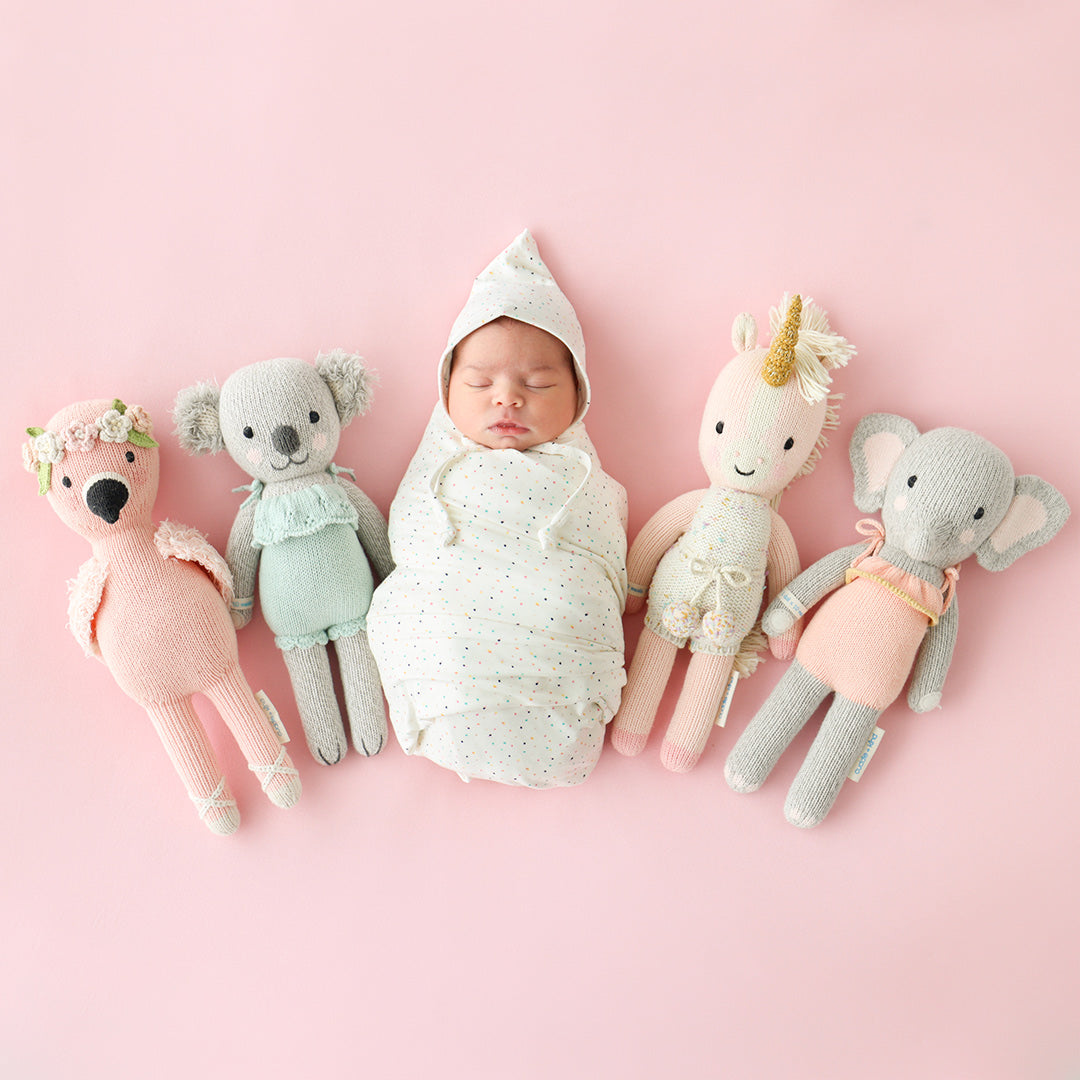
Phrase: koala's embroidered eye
(66,481)
(129,456)
(313,416)
(979,513)
(248,433)
(911,481)
(790,442)
(719,427)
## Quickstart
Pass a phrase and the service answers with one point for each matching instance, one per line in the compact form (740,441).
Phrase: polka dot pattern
(499,634)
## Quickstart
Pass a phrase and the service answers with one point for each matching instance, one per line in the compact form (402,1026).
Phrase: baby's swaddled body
(500,646)
(499,634)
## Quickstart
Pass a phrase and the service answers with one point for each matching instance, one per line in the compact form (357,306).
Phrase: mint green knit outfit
(315,583)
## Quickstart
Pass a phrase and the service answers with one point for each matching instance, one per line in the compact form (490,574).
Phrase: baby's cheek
(967,536)
(900,502)
(319,441)
(254,455)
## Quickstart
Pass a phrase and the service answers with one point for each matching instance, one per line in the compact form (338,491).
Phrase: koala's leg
(777,722)
(645,684)
(313,685)
(363,693)
(696,711)
(192,756)
(266,757)
(843,736)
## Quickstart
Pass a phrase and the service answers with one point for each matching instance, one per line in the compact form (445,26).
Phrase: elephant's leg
(777,722)
(844,733)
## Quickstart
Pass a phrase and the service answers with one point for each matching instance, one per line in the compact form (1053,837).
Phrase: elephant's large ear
(198,420)
(878,442)
(350,382)
(1034,517)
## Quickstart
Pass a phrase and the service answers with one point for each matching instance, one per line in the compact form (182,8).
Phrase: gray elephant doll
(943,496)
(314,540)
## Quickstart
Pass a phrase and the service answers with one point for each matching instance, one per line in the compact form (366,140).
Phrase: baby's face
(512,386)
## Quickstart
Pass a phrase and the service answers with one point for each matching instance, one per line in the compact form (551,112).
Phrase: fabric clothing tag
(725,702)
(272,716)
(864,758)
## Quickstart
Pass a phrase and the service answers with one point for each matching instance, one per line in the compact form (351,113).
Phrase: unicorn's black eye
(129,456)
(313,416)
(66,481)
(719,427)
(248,433)
(790,442)
(911,481)
(979,513)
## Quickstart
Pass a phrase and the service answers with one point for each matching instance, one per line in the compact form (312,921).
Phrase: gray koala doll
(311,535)
(943,496)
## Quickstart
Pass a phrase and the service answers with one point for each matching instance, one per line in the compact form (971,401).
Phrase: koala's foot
(363,693)
(313,685)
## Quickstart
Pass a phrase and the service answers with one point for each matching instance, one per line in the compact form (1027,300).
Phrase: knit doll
(943,496)
(306,531)
(153,604)
(705,557)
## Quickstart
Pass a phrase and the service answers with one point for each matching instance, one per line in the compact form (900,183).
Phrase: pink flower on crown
(80,436)
(49,447)
(140,419)
(29,456)
(115,426)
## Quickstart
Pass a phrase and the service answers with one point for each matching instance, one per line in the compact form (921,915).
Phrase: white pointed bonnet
(518,284)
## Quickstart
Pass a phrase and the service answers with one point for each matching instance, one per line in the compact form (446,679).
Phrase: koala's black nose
(285,440)
(106,498)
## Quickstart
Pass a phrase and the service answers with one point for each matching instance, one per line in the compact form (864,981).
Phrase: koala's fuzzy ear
(196,414)
(350,382)
(1034,517)
(744,332)
(876,445)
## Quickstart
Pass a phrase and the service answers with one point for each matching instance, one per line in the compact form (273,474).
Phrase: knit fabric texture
(150,604)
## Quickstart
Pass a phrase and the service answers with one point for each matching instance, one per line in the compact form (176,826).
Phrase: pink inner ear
(1025,516)
(880,452)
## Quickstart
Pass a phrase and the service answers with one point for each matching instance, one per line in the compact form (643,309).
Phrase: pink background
(191,188)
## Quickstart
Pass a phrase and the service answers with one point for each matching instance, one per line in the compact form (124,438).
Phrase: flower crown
(116,425)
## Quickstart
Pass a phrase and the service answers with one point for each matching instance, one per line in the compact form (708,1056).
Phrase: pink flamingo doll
(153,603)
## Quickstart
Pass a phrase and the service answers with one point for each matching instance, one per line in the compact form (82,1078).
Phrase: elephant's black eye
(66,481)
(790,442)
(129,456)
(979,513)
(911,481)
(719,427)
(248,433)
(313,416)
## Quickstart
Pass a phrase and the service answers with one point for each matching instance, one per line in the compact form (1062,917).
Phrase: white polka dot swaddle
(499,634)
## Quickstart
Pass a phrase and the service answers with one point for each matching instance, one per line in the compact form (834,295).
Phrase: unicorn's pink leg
(645,684)
(182,733)
(266,757)
(696,711)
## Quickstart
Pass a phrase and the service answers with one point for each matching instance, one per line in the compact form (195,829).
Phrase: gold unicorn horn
(780,359)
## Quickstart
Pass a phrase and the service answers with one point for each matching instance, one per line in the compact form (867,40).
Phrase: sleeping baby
(499,634)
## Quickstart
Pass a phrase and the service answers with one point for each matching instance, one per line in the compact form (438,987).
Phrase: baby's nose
(507,394)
